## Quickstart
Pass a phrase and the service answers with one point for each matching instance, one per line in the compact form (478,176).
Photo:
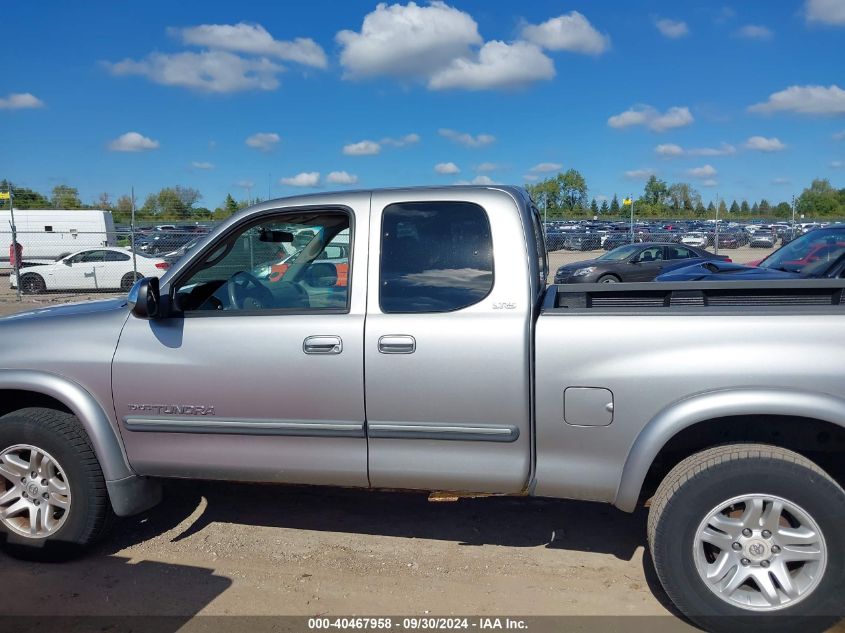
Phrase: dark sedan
(632,262)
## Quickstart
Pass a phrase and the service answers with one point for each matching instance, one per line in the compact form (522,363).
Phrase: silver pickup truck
(428,353)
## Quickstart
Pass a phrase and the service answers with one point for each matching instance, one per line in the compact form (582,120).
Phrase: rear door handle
(322,345)
(397,344)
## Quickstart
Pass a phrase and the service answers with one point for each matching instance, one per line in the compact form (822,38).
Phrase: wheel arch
(728,406)
(22,388)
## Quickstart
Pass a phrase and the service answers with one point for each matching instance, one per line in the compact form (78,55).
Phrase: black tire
(609,279)
(32,284)
(90,514)
(129,280)
(705,480)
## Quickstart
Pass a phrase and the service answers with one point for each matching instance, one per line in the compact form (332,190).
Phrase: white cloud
(825,11)
(407,40)
(531,177)
(780,181)
(650,117)
(253,39)
(541,168)
(755,32)
(466,139)
(710,182)
(569,32)
(304,179)
(447,168)
(362,148)
(208,71)
(202,165)
(478,180)
(499,65)
(705,171)
(763,144)
(341,178)
(671,150)
(264,141)
(672,29)
(487,167)
(402,141)
(132,142)
(20,101)
(811,100)
(640,174)
(245,184)
(838,136)
(837,164)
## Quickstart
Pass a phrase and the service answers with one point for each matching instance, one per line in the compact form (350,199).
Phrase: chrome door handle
(397,344)
(322,345)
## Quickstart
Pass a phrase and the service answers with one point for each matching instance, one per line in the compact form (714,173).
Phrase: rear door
(447,343)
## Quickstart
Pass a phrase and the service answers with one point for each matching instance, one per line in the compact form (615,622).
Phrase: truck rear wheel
(53,499)
(750,530)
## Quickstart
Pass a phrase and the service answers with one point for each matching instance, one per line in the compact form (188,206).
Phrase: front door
(448,344)
(254,377)
(647,264)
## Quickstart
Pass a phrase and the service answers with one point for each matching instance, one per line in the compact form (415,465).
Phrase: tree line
(175,204)
(565,196)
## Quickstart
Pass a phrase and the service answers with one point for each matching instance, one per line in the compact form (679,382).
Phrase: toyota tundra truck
(446,364)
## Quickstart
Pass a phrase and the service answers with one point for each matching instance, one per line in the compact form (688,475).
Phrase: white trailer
(45,234)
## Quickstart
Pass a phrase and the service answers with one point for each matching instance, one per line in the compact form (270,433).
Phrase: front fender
(129,493)
(716,404)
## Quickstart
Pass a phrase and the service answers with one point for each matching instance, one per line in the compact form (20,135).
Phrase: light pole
(15,242)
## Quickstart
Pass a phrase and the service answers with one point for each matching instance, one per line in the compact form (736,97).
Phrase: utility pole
(631,198)
(132,238)
(15,242)
(716,236)
(793,212)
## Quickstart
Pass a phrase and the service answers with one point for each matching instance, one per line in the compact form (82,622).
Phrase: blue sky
(744,99)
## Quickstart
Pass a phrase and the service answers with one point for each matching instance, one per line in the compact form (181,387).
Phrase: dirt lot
(257,550)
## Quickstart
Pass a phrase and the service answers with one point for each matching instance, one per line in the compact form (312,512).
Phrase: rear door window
(435,257)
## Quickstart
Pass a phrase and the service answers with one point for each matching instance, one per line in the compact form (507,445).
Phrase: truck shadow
(105,593)
(505,521)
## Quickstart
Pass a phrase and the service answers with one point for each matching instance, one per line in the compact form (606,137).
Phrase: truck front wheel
(750,530)
(53,499)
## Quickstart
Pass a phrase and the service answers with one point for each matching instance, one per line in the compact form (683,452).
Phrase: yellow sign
(4,195)
(627,201)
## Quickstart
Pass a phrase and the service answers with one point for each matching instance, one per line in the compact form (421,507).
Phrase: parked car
(616,239)
(696,238)
(94,269)
(163,241)
(632,262)
(814,255)
(762,239)
(581,241)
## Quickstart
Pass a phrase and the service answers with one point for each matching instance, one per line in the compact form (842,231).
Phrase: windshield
(623,252)
(813,249)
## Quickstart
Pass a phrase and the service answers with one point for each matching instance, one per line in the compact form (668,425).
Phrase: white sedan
(92,269)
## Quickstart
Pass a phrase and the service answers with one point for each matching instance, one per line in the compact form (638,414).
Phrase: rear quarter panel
(652,362)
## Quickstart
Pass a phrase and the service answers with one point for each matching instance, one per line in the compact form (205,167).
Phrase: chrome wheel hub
(760,552)
(34,492)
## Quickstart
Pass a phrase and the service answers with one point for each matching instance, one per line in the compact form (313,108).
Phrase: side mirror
(144,298)
(67,262)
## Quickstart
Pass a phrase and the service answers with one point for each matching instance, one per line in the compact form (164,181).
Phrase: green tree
(819,199)
(734,207)
(755,209)
(573,190)
(765,207)
(230,205)
(700,209)
(65,197)
(594,207)
(23,198)
(744,207)
(656,192)
(723,208)
(614,205)
(604,208)
(711,209)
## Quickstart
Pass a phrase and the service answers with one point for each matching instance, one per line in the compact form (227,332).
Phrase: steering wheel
(246,292)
